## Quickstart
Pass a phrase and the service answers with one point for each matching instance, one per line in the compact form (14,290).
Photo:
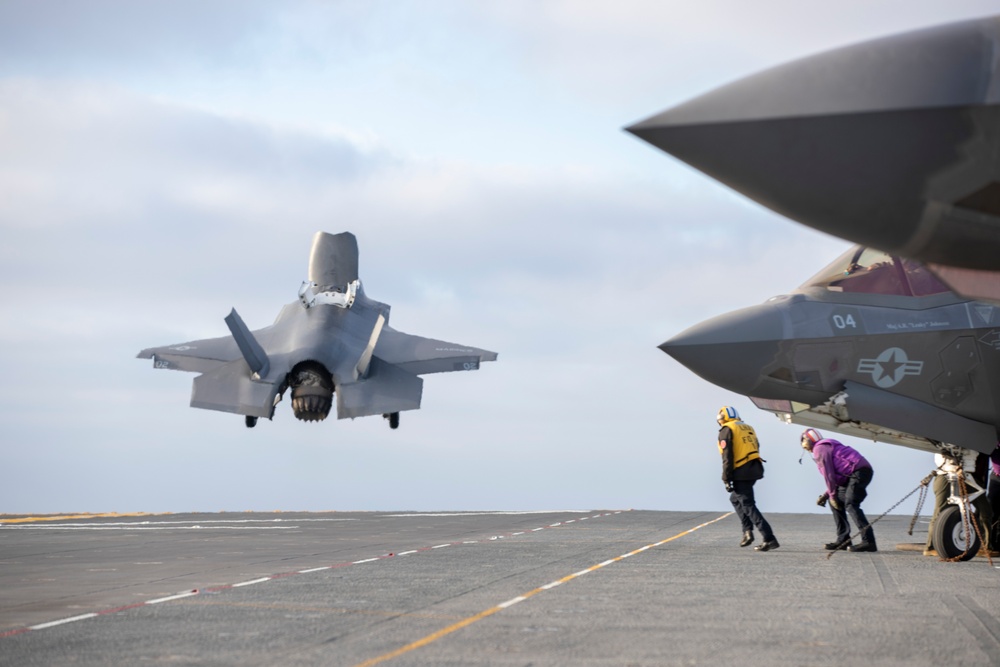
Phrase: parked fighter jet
(333,340)
(893,143)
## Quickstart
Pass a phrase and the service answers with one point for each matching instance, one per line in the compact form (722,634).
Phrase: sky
(162,163)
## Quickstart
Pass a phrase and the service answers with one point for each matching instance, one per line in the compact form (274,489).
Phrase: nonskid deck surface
(596,587)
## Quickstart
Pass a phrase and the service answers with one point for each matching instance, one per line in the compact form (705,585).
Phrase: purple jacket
(836,461)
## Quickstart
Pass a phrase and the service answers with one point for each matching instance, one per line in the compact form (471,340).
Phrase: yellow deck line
(500,607)
(64,517)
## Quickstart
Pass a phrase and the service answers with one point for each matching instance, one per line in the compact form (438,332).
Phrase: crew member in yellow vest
(741,468)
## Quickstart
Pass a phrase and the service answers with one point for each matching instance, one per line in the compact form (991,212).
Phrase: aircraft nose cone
(874,142)
(730,350)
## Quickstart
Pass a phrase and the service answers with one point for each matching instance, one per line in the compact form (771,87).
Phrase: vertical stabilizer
(333,260)
(252,352)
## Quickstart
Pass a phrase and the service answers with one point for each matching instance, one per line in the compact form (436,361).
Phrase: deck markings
(443,632)
(218,589)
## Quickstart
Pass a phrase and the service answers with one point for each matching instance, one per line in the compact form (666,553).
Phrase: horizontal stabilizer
(387,389)
(252,352)
(230,389)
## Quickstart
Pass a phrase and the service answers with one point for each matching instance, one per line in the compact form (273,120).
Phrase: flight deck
(586,587)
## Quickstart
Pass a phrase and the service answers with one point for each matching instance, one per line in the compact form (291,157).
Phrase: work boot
(930,552)
(837,546)
(767,545)
(862,546)
(747,538)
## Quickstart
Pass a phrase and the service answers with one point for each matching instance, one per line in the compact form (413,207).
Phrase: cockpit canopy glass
(869,271)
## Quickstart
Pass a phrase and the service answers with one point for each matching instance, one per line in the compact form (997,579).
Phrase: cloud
(153,177)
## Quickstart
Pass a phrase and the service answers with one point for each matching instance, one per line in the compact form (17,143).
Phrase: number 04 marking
(843,322)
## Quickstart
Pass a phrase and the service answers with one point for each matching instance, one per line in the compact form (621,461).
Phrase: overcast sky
(161,163)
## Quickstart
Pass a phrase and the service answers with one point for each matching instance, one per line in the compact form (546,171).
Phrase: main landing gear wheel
(250,421)
(393,418)
(950,539)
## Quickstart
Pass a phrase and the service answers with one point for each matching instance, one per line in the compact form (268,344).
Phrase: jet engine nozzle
(312,391)
(731,350)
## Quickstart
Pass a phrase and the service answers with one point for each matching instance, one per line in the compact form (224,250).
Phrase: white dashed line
(52,624)
(172,597)
(508,603)
(252,582)
(186,594)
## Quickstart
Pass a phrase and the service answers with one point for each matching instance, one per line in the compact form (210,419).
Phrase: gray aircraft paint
(892,143)
(935,354)
(374,369)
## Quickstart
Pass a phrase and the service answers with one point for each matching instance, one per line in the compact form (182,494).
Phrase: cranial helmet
(810,437)
(727,414)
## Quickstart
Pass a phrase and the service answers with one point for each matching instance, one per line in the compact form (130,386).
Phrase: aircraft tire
(949,534)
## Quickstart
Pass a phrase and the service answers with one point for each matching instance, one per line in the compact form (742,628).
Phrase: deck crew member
(741,468)
(847,474)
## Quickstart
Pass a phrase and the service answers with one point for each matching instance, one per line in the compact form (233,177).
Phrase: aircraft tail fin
(252,352)
(333,260)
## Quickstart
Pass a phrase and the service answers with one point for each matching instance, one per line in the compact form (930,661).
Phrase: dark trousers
(850,497)
(746,509)
(941,490)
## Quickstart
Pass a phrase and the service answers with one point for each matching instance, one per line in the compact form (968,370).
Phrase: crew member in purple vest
(847,475)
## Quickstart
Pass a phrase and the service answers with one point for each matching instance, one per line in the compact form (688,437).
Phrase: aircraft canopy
(870,271)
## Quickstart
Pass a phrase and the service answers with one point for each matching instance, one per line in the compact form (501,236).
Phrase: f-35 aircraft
(894,143)
(891,143)
(332,340)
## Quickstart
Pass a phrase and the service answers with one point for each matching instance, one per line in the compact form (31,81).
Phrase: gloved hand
(821,501)
(729,487)
(834,503)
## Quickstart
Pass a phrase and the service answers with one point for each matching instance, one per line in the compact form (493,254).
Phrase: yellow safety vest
(746,447)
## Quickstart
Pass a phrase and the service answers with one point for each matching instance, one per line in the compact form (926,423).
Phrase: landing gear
(250,421)
(393,418)
(950,537)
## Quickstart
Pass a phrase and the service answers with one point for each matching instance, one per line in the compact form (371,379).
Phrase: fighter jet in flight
(893,143)
(332,340)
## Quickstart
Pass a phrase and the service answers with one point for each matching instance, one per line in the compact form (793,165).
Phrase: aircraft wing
(197,356)
(420,356)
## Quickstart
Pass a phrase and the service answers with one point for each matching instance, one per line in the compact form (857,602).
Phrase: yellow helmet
(727,414)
